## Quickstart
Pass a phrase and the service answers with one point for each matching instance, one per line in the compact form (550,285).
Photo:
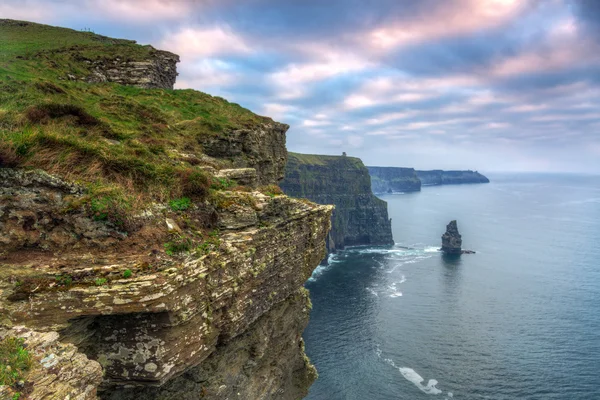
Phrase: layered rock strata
(394,180)
(58,370)
(359,218)
(167,314)
(451,239)
(145,250)
(158,71)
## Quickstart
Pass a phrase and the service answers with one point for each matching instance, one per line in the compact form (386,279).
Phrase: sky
(489,85)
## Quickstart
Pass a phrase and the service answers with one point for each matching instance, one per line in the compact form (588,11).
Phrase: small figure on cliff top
(452,240)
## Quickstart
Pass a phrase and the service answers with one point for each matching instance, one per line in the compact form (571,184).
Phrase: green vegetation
(127,274)
(64,280)
(222,183)
(181,204)
(178,244)
(271,190)
(210,244)
(126,144)
(15,361)
(100,281)
(318,159)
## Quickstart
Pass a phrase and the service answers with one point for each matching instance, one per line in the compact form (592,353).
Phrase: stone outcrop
(439,177)
(451,239)
(59,371)
(394,180)
(359,217)
(249,366)
(110,60)
(168,314)
(261,148)
(158,71)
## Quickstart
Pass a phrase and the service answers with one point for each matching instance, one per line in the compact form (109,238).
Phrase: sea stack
(451,240)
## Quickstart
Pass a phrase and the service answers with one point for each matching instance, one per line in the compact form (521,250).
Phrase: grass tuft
(15,361)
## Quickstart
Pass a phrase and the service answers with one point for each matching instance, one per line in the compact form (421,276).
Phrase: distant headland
(399,179)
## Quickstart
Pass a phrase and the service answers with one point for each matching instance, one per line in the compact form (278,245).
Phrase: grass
(100,281)
(15,361)
(124,144)
(318,159)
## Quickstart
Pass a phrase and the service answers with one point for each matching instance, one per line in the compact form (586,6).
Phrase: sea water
(520,319)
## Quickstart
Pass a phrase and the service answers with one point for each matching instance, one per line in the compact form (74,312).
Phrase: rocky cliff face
(451,239)
(160,263)
(359,218)
(158,70)
(439,177)
(394,180)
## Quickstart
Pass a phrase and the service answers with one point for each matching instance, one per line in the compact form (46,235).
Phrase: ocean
(520,319)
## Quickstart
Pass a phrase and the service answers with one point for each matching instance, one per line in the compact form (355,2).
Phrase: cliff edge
(394,180)
(359,217)
(142,232)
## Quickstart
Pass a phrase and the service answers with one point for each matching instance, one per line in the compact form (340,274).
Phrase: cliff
(394,180)
(359,217)
(143,235)
(439,177)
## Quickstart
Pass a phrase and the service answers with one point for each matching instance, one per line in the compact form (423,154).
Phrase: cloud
(445,19)
(434,84)
(143,10)
(205,42)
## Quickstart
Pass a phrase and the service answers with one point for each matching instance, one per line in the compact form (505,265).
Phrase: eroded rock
(451,239)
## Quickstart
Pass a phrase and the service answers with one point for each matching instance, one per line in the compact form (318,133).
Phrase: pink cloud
(142,10)
(205,42)
(446,20)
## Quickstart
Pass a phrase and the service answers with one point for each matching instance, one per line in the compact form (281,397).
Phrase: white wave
(412,376)
(396,294)
(318,272)
(431,249)
(403,279)
(372,291)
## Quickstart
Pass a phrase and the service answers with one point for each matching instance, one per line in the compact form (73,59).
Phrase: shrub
(100,281)
(181,204)
(110,206)
(127,274)
(222,183)
(64,280)
(271,190)
(178,245)
(194,182)
(15,361)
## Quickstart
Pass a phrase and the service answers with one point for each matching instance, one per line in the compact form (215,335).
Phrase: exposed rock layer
(359,218)
(59,371)
(248,366)
(394,180)
(171,315)
(439,177)
(262,148)
(202,300)
(157,71)
(451,239)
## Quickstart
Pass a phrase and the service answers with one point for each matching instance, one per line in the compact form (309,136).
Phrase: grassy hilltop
(127,145)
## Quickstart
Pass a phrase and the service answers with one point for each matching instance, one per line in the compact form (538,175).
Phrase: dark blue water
(518,320)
